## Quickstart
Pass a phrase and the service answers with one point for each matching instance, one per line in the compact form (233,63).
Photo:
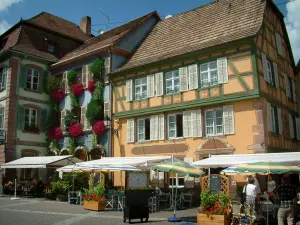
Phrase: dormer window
(51,46)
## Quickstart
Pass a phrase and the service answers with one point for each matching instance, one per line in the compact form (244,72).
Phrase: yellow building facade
(234,98)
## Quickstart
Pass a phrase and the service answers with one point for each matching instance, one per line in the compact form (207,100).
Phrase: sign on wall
(137,180)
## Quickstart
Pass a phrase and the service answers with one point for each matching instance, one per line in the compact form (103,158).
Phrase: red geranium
(77,89)
(55,133)
(75,129)
(91,86)
(99,128)
(58,95)
(207,212)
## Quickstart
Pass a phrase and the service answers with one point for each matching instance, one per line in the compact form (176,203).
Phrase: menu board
(215,184)
(137,180)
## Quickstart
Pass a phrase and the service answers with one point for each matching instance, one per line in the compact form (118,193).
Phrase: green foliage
(99,190)
(208,199)
(60,186)
(73,145)
(72,76)
(98,93)
(68,119)
(80,179)
(97,68)
(53,83)
(94,111)
(214,203)
(74,100)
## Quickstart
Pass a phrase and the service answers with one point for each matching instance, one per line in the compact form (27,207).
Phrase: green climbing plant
(94,111)
(98,69)
(72,76)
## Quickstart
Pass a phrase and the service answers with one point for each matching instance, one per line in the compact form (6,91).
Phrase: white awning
(222,161)
(133,161)
(41,162)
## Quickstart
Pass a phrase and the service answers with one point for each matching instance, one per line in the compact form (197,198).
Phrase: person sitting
(286,194)
(251,192)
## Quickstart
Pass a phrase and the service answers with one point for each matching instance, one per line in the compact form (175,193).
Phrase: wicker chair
(249,213)
(236,212)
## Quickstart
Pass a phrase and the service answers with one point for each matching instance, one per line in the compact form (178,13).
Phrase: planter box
(203,219)
(92,205)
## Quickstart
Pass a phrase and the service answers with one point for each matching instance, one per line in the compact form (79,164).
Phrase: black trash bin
(136,205)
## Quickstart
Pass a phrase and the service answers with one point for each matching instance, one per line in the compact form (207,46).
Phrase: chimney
(85,25)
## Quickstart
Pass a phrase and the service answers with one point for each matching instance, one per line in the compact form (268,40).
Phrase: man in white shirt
(251,192)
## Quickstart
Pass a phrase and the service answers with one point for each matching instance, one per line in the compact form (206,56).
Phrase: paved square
(28,211)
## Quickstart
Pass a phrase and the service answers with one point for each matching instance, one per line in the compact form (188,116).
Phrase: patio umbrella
(267,167)
(178,168)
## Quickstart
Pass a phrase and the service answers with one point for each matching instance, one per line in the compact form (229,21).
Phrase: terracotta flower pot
(204,219)
(93,205)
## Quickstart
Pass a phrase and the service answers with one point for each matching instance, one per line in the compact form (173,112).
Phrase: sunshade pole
(15,198)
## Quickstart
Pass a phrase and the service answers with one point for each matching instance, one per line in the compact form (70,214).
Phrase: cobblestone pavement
(26,211)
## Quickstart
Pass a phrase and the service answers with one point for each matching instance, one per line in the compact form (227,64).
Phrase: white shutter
(161,179)
(196,126)
(161,127)
(294,91)
(276,75)
(287,86)
(222,70)
(154,127)
(183,78)
(265,66)
(107,65)
(106,109)
(128,90)
(278,43)
(298,128)
(65,82)
(228,119)
(193,76)
(186,124)
(269,115)
(130,130)
(62,120)
(89,75)
(150,86)
(292,136)
(84,76)
(84,122)
(159,84)
(279,120)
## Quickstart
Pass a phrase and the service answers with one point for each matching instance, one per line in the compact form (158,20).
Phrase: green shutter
(21,117)
(43,120)
(45,79)
(4,78)
(22,76)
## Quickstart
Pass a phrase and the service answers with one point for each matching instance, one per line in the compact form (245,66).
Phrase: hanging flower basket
(91,86)
(58,95)
(77,89)
(75,129)
(99,128)
(55,133)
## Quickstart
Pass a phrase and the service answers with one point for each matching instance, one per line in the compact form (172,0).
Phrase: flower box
(94,205)
(203,219)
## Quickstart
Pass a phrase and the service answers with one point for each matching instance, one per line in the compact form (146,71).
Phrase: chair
(164,197)
(121,200)
(250,214)
(236,212)
(110,199)
(186,198)
(152,204)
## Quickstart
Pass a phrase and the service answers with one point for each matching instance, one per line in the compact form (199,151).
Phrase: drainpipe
(110,111)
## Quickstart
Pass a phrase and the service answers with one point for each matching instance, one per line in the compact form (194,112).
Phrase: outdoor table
(268,206)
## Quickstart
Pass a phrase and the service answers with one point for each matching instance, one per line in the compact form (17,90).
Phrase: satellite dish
(168,16)
(100,31)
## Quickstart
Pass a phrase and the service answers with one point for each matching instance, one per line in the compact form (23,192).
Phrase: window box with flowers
(214,209)
(94,198)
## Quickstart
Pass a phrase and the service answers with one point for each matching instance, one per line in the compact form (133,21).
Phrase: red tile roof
(210,25)
(106,39)
(57,24)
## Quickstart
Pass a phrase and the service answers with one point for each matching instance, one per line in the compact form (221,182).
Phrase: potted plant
(94,198)
(214,209)
(61,188)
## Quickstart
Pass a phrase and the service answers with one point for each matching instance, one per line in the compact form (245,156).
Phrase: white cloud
(4,26)
(5,4)
(293,26)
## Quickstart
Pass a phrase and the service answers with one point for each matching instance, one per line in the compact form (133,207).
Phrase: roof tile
(209,25)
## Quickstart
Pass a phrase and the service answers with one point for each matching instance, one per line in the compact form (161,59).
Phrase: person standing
(286,194)
(271,184)
(251,192)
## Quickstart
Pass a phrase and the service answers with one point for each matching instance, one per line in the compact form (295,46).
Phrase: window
(274,117)
(208,74)
(32,81)
(2,117)
(176,181)
(3,73)
(175,124)
(271,75)
(30,118)
(51,47)
(141,88)
(214,122)
(144,129)
(172,82)
(279,43)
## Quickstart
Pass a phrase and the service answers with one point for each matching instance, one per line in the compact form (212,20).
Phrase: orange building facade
(233,98)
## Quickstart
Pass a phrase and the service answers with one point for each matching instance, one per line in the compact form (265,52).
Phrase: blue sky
(117,10)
